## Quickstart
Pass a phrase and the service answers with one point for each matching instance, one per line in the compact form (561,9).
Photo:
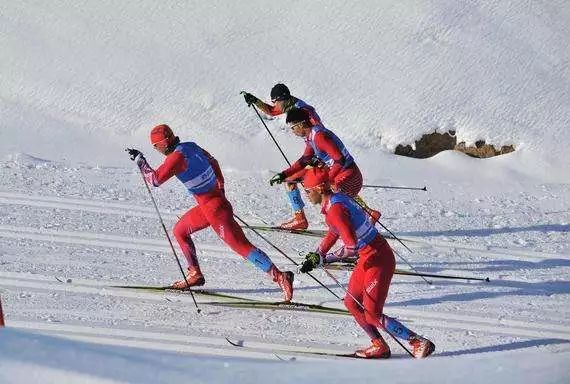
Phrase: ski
(302,232)
(279,351)
(350,266)
(242,302)
(281,305)
(200,292)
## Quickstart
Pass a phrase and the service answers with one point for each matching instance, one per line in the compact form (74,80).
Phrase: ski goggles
(295,125)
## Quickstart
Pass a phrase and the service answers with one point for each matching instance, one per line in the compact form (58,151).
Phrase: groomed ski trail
(434,319)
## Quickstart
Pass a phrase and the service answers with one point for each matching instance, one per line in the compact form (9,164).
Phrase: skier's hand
(249,98)
(277,179)
(133,153)
(312,261)
(136,156)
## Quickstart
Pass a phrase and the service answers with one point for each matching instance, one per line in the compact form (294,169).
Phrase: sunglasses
(293,126)
(309,190)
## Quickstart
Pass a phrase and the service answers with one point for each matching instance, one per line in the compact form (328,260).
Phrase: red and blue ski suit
(370,280)
(323,144)
(202,176)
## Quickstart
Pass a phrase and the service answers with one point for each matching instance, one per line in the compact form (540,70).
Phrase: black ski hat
(280,92)
(296,115)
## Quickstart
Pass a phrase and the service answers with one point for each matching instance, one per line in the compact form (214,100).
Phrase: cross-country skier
(283,102)
(323,148)
(202,176)
(371,277)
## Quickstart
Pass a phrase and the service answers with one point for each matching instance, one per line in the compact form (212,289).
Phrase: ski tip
(487,280)
(424,189)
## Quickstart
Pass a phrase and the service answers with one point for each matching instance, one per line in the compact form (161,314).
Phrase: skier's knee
(180,231)
(351,305)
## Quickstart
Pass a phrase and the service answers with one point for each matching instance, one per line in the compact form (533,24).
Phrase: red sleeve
(327,242)
(272,110)
(217,170)
(327,145)
(172,165)
(302,162)
(338,218)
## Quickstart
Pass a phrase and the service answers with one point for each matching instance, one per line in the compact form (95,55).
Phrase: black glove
(312,261)
(277,179)
(133,153)
(249,98)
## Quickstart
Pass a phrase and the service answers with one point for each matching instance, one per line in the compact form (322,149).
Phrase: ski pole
(437,276)
(390,187)
(268,131)
(283,253)
(364,309)
(1,315)
(169,241)
(378,221)
(411,266)
(395,238)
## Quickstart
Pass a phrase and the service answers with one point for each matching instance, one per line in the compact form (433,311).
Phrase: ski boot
(298,222)
(421,347)
(194,278)
(378,350)
(284,280)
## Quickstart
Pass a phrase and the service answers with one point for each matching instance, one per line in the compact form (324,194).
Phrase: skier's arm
(327,242)
(339,219)
(327,145)
(271,110)
(303,161)
(173,164)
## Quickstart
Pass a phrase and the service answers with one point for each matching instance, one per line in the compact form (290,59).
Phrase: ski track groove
(211,345)
(429,319)
(176,342)
(113,208)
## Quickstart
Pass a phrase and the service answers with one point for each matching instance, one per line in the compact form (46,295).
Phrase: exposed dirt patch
(433,143)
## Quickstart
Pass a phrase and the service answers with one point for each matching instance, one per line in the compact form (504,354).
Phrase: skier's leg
(192,221)
(378,269)
(220,216)
(299,221)
(374,302)
(356,290)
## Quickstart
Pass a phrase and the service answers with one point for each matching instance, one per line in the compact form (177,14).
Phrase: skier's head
(163,140)
(316,184)
(299,120)
(280,92)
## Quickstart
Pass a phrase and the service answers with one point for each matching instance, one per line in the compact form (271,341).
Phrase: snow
(80,81)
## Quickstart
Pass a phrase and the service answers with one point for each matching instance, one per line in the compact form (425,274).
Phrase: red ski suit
(373,273)
(348,180)
(213,208)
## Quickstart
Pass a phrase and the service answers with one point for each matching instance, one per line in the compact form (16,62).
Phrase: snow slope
(80,81)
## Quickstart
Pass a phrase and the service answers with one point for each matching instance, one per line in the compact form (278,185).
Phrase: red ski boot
(285,281)
(378,350)
(194,278)
(421,347)
(298,222)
